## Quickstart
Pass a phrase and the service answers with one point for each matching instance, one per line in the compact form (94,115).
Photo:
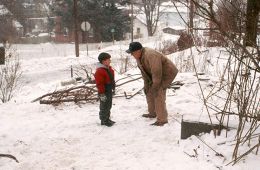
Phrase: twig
(192,156)
(9,156)
(65,100)
(127,77)
(128,81)
(217,153)
(246,153)
(133,94)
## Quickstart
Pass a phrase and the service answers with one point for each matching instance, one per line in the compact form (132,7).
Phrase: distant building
(174,30)
(10,28)
(62,34)
(31,19)
(170,17)
(37,17)
(139,28)
(170,20)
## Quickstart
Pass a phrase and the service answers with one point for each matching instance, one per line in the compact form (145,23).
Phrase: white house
(170,16)
(139,27)
(169,20)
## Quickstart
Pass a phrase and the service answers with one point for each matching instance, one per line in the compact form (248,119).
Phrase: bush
(185,41)
(10,74)
(169,47)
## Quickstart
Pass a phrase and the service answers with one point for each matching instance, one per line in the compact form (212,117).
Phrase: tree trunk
(191,16)
(151,10)
(253,8)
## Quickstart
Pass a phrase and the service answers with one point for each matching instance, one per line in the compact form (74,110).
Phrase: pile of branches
(89,93)
(73,94)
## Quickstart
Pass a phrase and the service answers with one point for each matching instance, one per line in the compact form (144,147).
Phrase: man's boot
(149,115)
(159,123)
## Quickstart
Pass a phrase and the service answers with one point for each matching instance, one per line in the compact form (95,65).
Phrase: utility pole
(132,21)
(75,10)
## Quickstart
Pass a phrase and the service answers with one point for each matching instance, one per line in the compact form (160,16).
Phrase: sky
(69,136)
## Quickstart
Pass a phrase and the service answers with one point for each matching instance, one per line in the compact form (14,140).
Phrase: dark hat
(134,46)
(103,56)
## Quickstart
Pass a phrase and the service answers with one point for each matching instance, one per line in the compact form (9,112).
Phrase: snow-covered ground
(69,136)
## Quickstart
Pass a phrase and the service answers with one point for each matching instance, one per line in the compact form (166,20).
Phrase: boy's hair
(103,56)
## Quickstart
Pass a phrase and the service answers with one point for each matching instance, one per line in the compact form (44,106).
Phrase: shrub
(10,74)
(185,41)
(169,47)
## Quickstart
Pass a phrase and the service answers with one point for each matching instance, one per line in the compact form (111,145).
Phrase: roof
(141,18)
(175,27)
(169,7)
(17,24)
(4,10)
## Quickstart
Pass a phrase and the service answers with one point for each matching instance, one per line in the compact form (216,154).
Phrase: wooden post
(132,21)
(75,10)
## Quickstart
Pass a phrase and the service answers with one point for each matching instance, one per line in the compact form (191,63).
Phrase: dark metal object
(2,55)
(71,71)
(195,128)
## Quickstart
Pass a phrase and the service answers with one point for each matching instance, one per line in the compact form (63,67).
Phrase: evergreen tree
(103,16)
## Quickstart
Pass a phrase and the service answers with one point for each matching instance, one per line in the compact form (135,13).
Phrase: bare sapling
(227,24)
(10,74)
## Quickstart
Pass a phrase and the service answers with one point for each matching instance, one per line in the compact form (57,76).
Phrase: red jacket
(103,79)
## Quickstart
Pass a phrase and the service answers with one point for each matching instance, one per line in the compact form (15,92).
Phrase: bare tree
(152,11)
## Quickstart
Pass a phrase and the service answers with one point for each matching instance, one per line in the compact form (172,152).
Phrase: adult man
(158,72)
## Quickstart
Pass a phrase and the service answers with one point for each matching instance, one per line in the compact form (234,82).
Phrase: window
(138,30)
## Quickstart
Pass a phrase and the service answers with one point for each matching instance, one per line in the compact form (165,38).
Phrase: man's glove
(103,97)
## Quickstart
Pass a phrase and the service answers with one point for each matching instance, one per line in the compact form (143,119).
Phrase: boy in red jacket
(105,83)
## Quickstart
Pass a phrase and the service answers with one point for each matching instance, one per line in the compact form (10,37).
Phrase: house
(177,30)
(10,28)
(61,34)
(170,20)
(31,19)
(139,28)
(37,17)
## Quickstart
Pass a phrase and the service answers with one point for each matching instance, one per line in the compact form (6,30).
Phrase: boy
(105,83)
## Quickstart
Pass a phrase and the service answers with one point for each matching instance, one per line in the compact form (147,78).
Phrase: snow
(170,7)
(44,34)
(69,136)
(3,10)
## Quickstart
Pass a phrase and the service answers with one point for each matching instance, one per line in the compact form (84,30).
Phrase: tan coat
(158,73)
(157,70)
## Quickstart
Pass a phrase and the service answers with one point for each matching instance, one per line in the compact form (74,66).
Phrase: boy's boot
(106,123)
(111,121)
